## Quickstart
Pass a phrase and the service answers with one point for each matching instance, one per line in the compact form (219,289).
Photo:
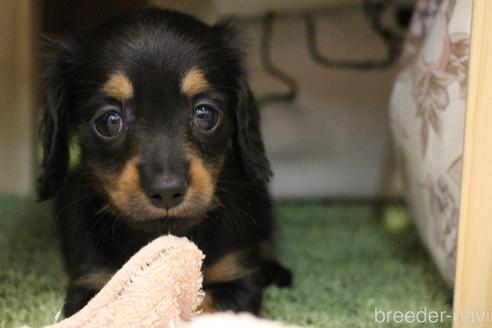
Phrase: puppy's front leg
(242,295)
(83,288)
(233,282)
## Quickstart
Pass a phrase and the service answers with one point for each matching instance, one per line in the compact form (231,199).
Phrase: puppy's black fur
(169,140)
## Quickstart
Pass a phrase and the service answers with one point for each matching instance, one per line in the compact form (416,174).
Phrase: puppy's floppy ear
(249,141)
(248,135)
(59,64)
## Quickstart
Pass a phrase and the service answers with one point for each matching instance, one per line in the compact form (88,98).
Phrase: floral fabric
(427,109)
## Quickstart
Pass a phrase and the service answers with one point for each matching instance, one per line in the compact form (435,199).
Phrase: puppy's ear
(59,64)
(248,135)
(249,141)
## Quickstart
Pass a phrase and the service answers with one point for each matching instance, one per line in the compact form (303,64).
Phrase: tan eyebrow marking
(118,86)
(193,82)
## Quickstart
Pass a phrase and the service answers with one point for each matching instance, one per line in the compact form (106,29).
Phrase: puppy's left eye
(206,117)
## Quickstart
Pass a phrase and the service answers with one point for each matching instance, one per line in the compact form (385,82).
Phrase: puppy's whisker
(76,202)
(246,186)
(104,209)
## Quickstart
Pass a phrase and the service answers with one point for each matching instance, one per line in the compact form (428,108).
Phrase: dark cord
(374,11)
(269,67)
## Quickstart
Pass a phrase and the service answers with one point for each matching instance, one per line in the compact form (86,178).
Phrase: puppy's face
(158,102)
(156,138)
(157,125)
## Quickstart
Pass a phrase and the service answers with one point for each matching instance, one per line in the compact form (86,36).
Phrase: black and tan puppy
(169,140)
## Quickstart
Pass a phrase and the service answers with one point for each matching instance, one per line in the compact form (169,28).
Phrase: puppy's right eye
(109,124)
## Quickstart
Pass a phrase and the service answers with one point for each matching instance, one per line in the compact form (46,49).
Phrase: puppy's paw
(276,273)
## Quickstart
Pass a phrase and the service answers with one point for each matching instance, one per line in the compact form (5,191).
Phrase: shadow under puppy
(169,142)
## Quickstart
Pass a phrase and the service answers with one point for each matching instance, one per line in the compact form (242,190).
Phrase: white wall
(334,140)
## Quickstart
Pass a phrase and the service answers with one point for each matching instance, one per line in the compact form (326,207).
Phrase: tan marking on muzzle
(126,183)
(126,194)
(201,181)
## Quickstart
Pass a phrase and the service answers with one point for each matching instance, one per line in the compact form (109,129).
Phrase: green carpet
(347,258)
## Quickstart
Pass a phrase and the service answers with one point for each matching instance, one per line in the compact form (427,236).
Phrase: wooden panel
(18,26)
(473,290)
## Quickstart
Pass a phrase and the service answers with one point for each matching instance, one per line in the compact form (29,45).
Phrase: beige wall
(334,140)
(18,21)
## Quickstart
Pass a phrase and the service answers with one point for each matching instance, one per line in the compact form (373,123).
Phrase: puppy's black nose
(167,193)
